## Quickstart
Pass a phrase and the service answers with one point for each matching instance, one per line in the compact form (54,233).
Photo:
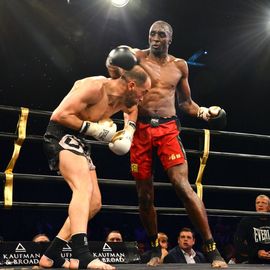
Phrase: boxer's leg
(196,210)
(52,256)
(75,170)
(95,203)
(148,217)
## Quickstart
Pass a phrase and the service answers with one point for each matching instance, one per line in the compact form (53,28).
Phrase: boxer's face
(159,38)
(136,92)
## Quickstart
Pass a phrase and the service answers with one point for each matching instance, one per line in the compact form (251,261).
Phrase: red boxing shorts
(162,136)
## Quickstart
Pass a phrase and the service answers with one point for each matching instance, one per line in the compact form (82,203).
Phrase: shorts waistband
(156,120)
(55,128)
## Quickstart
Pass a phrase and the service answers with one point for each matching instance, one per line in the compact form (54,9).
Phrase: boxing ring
(175,266)
(203,154)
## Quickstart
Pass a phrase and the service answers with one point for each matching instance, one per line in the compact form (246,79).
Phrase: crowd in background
(240,240)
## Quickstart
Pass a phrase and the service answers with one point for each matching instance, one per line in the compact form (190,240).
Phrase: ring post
(21,130)
(203,160)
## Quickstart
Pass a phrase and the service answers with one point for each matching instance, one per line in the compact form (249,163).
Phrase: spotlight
(119,3)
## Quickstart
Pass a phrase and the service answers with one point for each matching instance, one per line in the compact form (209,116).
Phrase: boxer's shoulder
(141,53)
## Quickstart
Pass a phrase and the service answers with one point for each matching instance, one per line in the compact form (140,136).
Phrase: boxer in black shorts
(86,111)
(58,138)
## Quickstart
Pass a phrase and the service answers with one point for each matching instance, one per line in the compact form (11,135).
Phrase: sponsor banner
(29,253)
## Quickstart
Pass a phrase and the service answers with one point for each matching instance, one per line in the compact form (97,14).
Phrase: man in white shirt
(184,252)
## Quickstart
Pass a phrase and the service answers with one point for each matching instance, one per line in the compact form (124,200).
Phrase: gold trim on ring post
(203,161)
(21,130)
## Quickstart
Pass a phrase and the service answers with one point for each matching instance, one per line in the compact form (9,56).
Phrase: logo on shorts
(134,167)
(174,156)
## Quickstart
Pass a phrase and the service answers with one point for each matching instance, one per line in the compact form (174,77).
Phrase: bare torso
(165,76)
(90,99)
(91,112)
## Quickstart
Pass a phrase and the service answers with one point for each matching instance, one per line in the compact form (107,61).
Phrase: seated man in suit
(184,252)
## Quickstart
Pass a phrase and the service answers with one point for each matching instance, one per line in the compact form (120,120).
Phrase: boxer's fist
(102,130)
(215,116)
(218,118)
(123,57)
(121,141)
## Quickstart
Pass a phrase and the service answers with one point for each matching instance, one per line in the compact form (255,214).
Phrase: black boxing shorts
(58,138)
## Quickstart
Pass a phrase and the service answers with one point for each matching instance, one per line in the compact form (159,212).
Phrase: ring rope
(188,151)
(21,132)
(116,182)
(135,209)
(189,130)
(203,160)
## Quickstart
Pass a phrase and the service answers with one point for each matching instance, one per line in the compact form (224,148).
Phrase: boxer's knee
(95,207)
(179,180)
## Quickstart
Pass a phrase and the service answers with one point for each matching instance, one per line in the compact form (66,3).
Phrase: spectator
(41,237)
(114,236)
(184,252)
(163,242)
(252,237)
(141,247)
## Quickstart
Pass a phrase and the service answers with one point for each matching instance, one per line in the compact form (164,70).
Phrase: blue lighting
(192,60)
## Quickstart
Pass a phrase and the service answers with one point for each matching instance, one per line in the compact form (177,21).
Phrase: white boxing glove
(121,141)
(102,130)
(208,113)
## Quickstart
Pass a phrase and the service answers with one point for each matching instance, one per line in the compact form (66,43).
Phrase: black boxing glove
(123,57)
(215,116)
(218,121)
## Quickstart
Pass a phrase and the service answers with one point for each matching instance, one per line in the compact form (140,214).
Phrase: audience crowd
(248,241)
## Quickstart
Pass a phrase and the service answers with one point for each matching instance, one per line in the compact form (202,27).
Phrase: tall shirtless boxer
(158,128)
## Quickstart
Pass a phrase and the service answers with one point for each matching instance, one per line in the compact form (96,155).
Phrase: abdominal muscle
(158,102)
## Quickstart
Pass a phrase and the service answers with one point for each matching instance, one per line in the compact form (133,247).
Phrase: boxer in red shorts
(169,147)
(157,127)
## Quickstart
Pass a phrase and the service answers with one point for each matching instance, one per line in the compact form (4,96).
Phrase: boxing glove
(123,57)
(102,130)
(215,116)
(121,141)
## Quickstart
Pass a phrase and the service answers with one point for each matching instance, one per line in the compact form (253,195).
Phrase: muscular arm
(186,104)
(83,94)
(131,115)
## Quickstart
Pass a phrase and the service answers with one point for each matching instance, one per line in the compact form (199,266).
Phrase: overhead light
(119,3)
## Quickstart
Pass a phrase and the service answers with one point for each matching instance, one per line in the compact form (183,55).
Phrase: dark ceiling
(46,45)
